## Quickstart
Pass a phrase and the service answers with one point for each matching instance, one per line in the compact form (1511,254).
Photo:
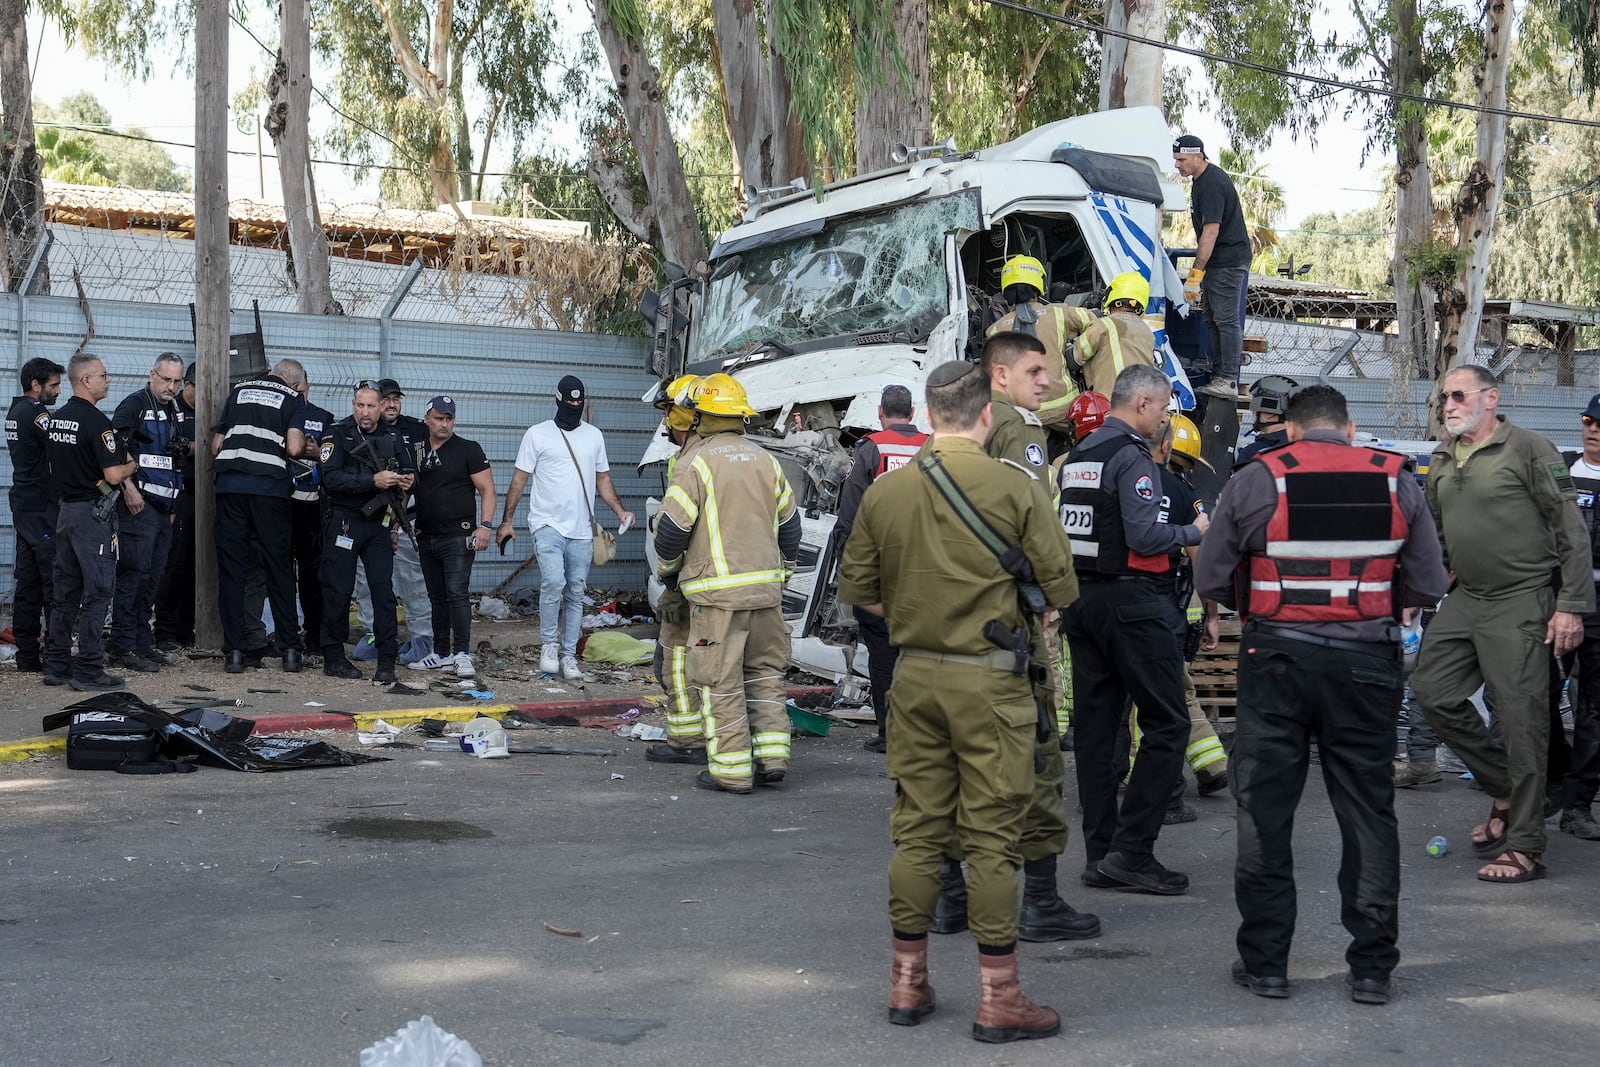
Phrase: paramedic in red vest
(1321,546)
(878,453)
(1120,635)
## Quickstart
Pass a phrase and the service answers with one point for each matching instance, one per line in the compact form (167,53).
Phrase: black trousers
(447,571)
(84,579)
(144,543)
(881,657)
(175,590)
(1122,645)
(1582,782)
(305,544)
(1290,692)
(243,519)
(350,538)
(36,561)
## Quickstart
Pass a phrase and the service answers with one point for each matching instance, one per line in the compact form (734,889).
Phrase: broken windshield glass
(866,272)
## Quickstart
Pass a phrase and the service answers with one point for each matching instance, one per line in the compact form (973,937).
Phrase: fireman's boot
(1004,1014)
(950,912)
(910,997)
(1045,916)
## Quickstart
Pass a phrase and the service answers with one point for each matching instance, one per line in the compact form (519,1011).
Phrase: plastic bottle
(1438,845)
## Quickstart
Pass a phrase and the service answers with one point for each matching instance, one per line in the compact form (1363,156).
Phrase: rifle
(366,453)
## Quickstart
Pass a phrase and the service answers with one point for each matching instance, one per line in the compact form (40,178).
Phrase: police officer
(1056,326)
(253,441)
(409,586)
(356,466)
(88,463)
(1120,635)
(35,503)
(686,733)
(877,453)
(958,775)
(154,429)
(1320,658)
(174,608)
(1578,788)
(1120,339)
(1269,399)
(727,536)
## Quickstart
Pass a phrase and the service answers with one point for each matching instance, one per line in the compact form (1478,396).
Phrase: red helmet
(1088,412)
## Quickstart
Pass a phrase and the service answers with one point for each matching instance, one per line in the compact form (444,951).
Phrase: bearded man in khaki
(1508,518)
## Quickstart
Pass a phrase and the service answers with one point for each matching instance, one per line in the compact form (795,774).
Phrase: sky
(164,107)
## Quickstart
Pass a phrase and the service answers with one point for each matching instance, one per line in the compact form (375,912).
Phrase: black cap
(569,390)
(1593,410)
(188,375)
(1188,144)
(389,387)
(444,405)
(949,373)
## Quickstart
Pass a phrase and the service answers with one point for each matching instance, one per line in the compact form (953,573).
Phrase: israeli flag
(1135,228)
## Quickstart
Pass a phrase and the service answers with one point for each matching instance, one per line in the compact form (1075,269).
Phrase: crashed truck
(816,302)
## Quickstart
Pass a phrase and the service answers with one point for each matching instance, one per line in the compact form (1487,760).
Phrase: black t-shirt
(447,501)
(82,444)
(27,431)
(1214,199)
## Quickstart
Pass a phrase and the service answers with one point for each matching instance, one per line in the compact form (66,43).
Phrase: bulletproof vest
(1588,487)
(160,477)
(1091,511)
(1334,538)
(318,426)
(895,449)
(385,447)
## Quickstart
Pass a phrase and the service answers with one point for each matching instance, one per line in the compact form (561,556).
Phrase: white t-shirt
(556,493)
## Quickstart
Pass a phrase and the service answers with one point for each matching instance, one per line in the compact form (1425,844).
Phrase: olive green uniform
(1508,518)
(1045,830)
(962,750)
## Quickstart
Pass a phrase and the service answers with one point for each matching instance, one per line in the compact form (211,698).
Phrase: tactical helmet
(1088,412)
(1022,270)
(720,395)
(1270,395)
(1131,286)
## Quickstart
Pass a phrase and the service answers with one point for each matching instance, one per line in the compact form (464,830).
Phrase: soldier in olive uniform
(962,751)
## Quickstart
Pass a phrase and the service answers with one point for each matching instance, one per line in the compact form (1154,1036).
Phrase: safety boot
(1412,773)
(950,913)
(385,675)
(1045,916)
(1004,1014)
(910,997)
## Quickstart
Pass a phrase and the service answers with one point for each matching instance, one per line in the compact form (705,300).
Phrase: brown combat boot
(1004,1014)
(911,997)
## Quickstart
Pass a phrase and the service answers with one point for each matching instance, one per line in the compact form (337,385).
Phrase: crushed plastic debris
(618,649)
(421,1043)
(641,731)
(615,777)
(492,607)
(382,733)
(486,739)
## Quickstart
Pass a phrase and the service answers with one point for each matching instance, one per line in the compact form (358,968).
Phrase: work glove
(1191,285)
(673,607)
(789,567)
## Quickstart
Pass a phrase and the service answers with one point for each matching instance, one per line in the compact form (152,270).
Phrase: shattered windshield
(865,272)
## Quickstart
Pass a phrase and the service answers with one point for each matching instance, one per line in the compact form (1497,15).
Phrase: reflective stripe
(1334,586)
(732,581)
(306,496)
(681,498)
(264,458)
(257,431)
(1204,752)
(1333,549)
(771,745)
(1084,548)
(152,489)
(719,558)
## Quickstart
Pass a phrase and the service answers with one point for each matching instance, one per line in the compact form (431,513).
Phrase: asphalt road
(219,918)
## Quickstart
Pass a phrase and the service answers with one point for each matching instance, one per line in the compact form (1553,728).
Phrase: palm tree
(1260,198)
(68,157)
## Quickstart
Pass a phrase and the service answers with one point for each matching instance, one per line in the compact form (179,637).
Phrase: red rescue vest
(1334,537)
(895,449)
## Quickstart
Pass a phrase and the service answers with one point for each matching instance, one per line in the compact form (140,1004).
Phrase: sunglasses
(368,383)
(1459,396)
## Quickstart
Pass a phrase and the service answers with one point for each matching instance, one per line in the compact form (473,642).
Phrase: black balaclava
(569,403)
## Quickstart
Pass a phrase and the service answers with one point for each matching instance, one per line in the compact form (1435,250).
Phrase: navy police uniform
(152,431)
(175,588)
(35,503)
(348,464)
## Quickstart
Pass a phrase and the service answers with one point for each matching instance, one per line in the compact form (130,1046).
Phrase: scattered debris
(615,777)
(559,750)
(561,931)
(382,733)
(492,607)
(421,1043)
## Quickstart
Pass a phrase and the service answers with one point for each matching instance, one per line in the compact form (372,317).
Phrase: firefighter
(686,739)
(1056,326)
(727,537)
(1269,399)
(876,454)
(1320,658)
(1120,637)
(1120,339)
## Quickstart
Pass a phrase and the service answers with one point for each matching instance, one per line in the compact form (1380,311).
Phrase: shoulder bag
(605,542)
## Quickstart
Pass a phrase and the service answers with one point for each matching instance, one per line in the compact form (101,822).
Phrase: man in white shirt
(566,460)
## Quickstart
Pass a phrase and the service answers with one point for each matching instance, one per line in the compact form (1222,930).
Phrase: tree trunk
(21,191)
(287,123)
(790,160)
(1130,74)
(887,108)
(1479,198)
(674,227)
(1413,192)
(747,91)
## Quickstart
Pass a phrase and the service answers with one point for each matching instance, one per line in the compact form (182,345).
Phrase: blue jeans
(563,575)
(144,542)
(1223,289)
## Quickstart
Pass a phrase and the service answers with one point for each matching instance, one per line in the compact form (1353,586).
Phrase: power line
(1314,79)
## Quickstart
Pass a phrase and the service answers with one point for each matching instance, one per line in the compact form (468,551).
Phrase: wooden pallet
(1215,673)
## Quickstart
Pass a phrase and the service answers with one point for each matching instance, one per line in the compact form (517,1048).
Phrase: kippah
(950,373)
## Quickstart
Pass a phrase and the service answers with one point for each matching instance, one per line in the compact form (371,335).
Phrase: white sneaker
(431,662)
(1224,388)
(570,669)
(464,667)
(550,658)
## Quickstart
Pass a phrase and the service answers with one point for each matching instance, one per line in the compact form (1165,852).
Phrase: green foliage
(1350,250)
(120,160)
(127,33)
(65,156)
(831,46)
(1277,33)
(1436,264)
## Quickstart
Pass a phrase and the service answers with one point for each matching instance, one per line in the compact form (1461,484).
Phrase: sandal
(1528,868)
(1492,845)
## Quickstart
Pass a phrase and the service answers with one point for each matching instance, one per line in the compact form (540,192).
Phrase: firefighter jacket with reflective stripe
(1333,539)
(895,448)
(1056,326)
(1110,507)
(731,496)
(1110,344)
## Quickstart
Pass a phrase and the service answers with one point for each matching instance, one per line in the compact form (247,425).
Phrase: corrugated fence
(503,381)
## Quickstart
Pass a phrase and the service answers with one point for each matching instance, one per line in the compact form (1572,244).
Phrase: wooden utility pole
(210,292)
